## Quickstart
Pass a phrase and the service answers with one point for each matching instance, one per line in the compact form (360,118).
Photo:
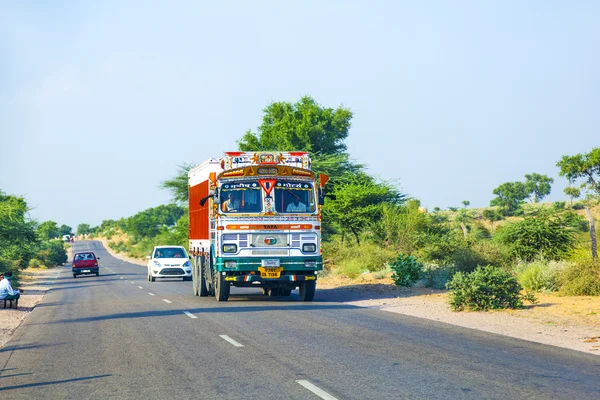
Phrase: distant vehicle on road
(169,262)
(85,263)
(66,238)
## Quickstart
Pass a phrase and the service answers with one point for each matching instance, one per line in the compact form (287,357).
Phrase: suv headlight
(309,247)
(230,248)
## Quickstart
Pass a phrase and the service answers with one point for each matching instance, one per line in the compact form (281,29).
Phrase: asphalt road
(118,336)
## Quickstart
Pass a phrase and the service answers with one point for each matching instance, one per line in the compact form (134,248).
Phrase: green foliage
(485,288)
(545,235)
(83,229)
(358,203)
(572,192)
(538,186)
(540,275)
(18,239)
(178,185)
(304,125)
(406,270)
(64,230)
(510,196)
(47,230)
(365,256)
(351,269)
(581,278)
(558,206)
(150,222)
(52,253)
(578,206)
(403,227)
(584,167)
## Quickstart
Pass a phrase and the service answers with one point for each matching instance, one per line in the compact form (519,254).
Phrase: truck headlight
(309,248)
(230,264)
(310,264)
(230,248)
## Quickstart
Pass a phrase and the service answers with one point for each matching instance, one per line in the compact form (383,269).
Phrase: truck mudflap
(250,278)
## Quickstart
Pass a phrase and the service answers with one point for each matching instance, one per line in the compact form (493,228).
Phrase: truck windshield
(241,197)
(294,197)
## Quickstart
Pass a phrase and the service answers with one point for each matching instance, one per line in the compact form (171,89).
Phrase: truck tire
(195,277)
(202,277)
(307,290)
(222,287)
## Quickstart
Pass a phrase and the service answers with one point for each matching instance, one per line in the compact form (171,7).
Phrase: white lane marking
(189,314)
(141,287)
(151,294)
(121,277)
(133,283)
(316,390)
(167,301)
(230,340)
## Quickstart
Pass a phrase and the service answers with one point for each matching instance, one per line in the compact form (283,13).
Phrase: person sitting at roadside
(6,290)
(296,206)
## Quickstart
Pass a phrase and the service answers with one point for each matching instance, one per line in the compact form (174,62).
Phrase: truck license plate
(270,263)
(270,272)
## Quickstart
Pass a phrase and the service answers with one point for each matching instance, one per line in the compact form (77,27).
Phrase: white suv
(169,262)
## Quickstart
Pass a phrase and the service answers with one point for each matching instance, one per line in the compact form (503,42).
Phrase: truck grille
(171,271)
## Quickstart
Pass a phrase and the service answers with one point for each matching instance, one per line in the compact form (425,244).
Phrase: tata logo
(269,226)
(270,240)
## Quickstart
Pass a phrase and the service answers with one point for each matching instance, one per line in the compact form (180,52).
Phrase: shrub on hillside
(540,275)
(405,270)
(370,256)
(485,288)
(351,268)
(581,278)
(35,263)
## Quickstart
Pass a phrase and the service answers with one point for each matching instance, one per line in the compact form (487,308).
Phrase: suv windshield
(294,197)
(241,197)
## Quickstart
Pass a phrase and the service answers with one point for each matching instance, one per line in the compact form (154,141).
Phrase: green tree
(358,203)
(48,230)
(542,234)
(538,186)
(64,230)
(302,126)
(178,185)
(466,203)
(18,239)
(584,167)
(510,196)
(83,229)
(572,192)
(492,215)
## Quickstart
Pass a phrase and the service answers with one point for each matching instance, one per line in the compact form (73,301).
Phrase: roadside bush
(350,268)
(435,276)
(578,206)
(406,270)
(540,275)
(35,263)
(370,256)
(485,288)
(581,278)
(52,253)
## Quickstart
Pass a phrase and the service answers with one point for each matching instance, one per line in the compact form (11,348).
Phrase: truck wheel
(307,290)
(202,276)
(265,291)
(222,287)
(195,277)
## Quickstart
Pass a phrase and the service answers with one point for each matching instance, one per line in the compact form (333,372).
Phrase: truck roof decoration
(237,159)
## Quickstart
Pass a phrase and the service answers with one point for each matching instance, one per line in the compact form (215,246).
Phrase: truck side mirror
(216,196)
(321,197)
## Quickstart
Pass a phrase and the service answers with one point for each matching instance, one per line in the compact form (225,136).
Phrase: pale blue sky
(100,100)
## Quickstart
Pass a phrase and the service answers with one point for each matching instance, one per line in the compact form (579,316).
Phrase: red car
(85,262)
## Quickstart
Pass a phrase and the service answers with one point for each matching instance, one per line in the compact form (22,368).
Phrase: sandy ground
(569,322)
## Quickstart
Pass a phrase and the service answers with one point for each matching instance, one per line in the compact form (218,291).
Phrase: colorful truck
(255,221)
